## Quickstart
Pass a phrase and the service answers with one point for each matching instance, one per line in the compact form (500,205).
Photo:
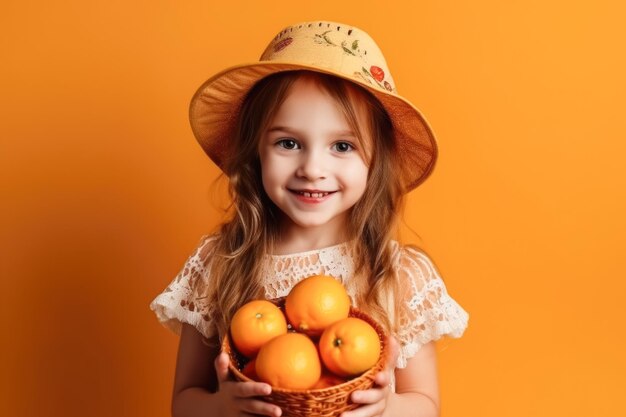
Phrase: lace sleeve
(183,300)
(426,312)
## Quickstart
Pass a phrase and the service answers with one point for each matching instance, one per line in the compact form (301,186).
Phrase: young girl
(319,150)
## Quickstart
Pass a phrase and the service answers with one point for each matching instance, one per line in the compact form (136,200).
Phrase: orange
(250,370)
(315,303)
(328,380)
(289,361)
(349,347)
(255,323)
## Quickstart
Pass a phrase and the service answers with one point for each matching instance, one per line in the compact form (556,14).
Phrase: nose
(312,166)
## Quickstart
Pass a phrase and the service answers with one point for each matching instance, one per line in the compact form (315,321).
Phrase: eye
(343,147)
(288,144)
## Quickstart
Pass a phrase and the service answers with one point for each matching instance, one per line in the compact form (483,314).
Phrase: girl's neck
(297,239)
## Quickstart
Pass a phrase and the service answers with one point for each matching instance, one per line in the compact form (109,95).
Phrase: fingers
(368,396)
(243,389)
(251,389)
(221,366)
(393,352)
(382,379)
(257,407)
(242,392)
(373,400)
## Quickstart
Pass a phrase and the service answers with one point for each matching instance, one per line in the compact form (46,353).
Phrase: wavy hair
(237,253)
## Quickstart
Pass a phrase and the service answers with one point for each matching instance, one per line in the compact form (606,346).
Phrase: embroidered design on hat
(377,74)
(348,48)
(282,44)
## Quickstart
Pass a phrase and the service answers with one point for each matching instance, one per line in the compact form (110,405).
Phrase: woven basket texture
(324,402)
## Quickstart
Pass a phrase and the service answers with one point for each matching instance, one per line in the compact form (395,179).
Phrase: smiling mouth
(312,194)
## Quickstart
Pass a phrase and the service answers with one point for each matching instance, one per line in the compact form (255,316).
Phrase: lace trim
(282,272)
(454,327)
(183,301)
(427,311)
(309,252)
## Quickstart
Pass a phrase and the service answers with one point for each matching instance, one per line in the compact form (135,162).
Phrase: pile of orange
(314,344)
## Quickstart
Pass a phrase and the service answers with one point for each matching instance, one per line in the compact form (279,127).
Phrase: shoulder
(426,310)
(411,259)
(200,256)
(184,300)
(192,278)
(415,272)
(206,244)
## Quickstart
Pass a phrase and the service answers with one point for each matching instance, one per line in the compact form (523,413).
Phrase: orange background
(105,192)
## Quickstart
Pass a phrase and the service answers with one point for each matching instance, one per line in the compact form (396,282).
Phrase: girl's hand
(375,399)
(238,398)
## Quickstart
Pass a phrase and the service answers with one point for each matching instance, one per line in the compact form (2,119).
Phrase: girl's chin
(311,223)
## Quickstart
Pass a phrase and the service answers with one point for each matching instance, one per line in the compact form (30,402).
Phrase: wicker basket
(324,402)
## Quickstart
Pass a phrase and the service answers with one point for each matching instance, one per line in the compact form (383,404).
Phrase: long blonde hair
(237,254)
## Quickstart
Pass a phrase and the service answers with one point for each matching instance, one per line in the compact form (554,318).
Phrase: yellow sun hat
(326,47)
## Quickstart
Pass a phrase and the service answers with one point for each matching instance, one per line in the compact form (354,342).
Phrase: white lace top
(427,311)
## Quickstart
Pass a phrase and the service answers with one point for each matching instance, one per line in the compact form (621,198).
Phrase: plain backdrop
(105,192)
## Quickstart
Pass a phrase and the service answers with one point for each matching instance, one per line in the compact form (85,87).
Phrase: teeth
(314,195)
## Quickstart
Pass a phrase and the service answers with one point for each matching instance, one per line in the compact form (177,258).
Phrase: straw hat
(326,47)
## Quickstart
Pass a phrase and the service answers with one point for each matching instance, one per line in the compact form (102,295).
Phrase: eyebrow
(296,131)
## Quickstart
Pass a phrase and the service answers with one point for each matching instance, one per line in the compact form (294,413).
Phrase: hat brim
(215,105)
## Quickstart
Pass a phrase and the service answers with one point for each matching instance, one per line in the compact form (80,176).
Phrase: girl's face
(311,164)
